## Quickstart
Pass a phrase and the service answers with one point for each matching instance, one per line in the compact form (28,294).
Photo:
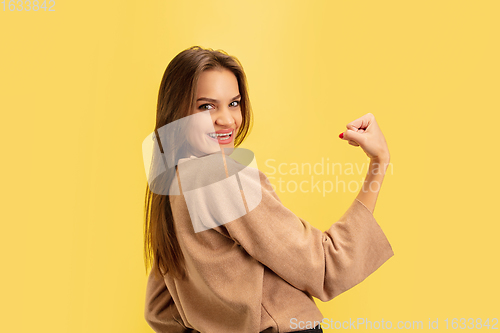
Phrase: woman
(226,255)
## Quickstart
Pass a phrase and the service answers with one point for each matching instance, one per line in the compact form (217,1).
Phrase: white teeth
(223,136)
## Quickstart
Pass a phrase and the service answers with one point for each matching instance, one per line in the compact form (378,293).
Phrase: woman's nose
(224,117)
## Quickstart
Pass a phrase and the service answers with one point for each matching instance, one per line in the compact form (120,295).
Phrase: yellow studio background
(78,95)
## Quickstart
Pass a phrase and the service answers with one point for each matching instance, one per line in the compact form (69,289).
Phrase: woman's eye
(205,107)
(235,103)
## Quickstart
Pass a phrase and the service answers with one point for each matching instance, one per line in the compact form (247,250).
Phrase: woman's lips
(222,136)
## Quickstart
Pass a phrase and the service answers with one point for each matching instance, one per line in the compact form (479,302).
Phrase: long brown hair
(176,99)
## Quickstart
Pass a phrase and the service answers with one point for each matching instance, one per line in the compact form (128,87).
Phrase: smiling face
(217,111)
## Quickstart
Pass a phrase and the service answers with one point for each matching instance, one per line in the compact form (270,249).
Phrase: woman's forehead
(217,84)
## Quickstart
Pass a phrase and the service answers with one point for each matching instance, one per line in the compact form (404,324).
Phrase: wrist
(378,165)
(382,158)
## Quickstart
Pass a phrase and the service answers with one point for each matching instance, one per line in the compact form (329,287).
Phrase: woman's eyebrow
(215,100)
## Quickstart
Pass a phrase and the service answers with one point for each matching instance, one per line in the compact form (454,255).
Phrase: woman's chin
(227,149)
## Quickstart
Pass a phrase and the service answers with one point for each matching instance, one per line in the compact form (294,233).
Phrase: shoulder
(199,172)
(218,188)
(216,172)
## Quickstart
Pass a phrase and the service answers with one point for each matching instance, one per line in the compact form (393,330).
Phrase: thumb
(353,136)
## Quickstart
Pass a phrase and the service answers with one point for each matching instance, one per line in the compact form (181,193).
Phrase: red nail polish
(341,135)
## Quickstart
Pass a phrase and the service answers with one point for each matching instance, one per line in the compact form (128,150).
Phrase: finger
(361,123)
(351,127)
(354,143)
(356,137)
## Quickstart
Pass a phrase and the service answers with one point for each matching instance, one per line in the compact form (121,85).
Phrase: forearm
(373,182)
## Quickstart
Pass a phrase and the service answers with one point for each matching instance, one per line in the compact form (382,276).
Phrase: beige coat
(259,272)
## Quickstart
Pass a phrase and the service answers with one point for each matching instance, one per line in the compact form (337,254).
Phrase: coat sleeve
(160,311)
(324,264)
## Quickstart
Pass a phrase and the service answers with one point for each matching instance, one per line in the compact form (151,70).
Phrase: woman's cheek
(239,119)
